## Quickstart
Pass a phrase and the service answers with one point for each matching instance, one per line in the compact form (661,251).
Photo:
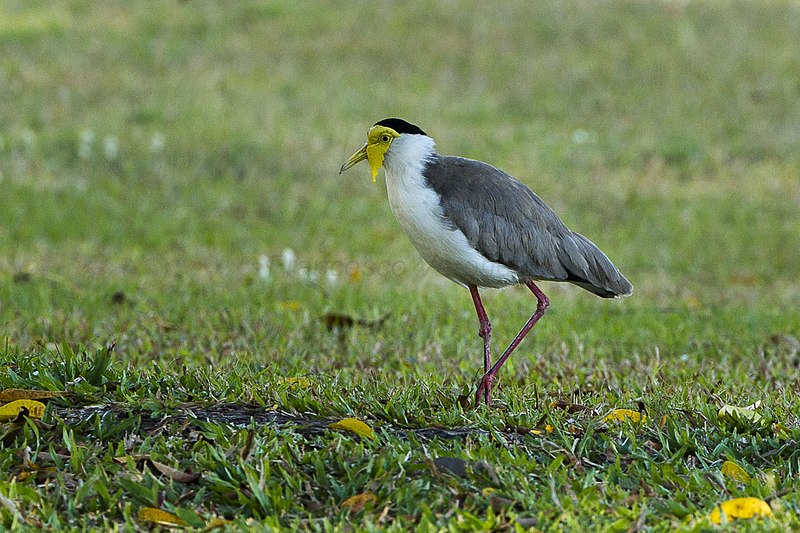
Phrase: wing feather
(508,223)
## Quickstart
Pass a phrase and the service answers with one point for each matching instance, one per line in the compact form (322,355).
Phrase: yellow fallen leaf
(621,415)
(356,503)
(781,431)
(692,302)
(733,471)
(739,508)
(745,417)
(216,523)
(8,395)
(162,518)
(10,411)
(296,383)
(355,426)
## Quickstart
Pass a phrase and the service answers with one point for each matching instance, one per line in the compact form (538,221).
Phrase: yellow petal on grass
(355,275)
(216,523)
(7,395)
(739,508)
(162,518)
(621,415)
(740,416)
(733,471)
(12,410)
(289,305)
(356,503)
(355,426)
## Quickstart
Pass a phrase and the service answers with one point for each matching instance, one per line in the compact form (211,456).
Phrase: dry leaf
(355,426)
(740,508)
(356,503)
(8,395)
(453,465)
(733,471)
(244,453)
(173,473)
(162,518)
(500,504)
(568,407)
(621,415)
(339,321)
(12,410)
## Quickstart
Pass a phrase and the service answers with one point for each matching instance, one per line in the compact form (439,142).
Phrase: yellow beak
(371,153)
(355,158)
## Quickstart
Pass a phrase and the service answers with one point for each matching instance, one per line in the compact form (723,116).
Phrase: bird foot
(483,394)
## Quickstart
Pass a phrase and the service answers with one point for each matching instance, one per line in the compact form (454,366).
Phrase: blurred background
(169,168)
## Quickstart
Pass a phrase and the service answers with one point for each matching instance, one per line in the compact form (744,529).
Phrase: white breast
(420,214)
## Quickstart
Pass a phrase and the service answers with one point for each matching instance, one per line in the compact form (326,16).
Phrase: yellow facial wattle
(379,138)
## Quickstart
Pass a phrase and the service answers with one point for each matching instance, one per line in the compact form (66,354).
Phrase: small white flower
(288,258)
(331,277)
(85,146)
(87,136)
(307,275)
(581,136)
(263,267)
(28,138)
(157,142)
(111,146)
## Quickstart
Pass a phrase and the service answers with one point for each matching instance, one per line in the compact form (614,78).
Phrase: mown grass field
(168,186)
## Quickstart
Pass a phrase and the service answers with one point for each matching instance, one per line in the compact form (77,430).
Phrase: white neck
(407,155)
(418,209)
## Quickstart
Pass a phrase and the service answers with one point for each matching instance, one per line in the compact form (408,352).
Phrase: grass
(151,154)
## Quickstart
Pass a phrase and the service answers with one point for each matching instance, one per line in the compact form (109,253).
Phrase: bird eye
(385,138)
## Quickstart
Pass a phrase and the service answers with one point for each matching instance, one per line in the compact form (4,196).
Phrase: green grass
(152,153)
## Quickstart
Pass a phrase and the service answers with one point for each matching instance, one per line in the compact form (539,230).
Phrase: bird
(481,228)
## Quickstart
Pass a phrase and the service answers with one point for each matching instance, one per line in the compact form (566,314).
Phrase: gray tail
(589,268)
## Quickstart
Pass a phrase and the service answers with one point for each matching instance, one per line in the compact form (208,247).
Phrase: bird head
(379,139)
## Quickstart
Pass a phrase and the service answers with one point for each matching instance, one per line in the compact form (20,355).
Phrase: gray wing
(507,223)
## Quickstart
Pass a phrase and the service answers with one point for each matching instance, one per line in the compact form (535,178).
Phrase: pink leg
(485,331)
(485,385)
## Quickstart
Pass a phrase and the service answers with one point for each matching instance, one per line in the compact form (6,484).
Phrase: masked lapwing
(480,227)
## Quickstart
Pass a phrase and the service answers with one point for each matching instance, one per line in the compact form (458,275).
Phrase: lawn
(181,260)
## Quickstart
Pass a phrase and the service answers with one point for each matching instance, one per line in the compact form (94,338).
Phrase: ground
(180,257)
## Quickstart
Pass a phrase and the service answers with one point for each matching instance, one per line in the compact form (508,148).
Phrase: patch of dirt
(238,415)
